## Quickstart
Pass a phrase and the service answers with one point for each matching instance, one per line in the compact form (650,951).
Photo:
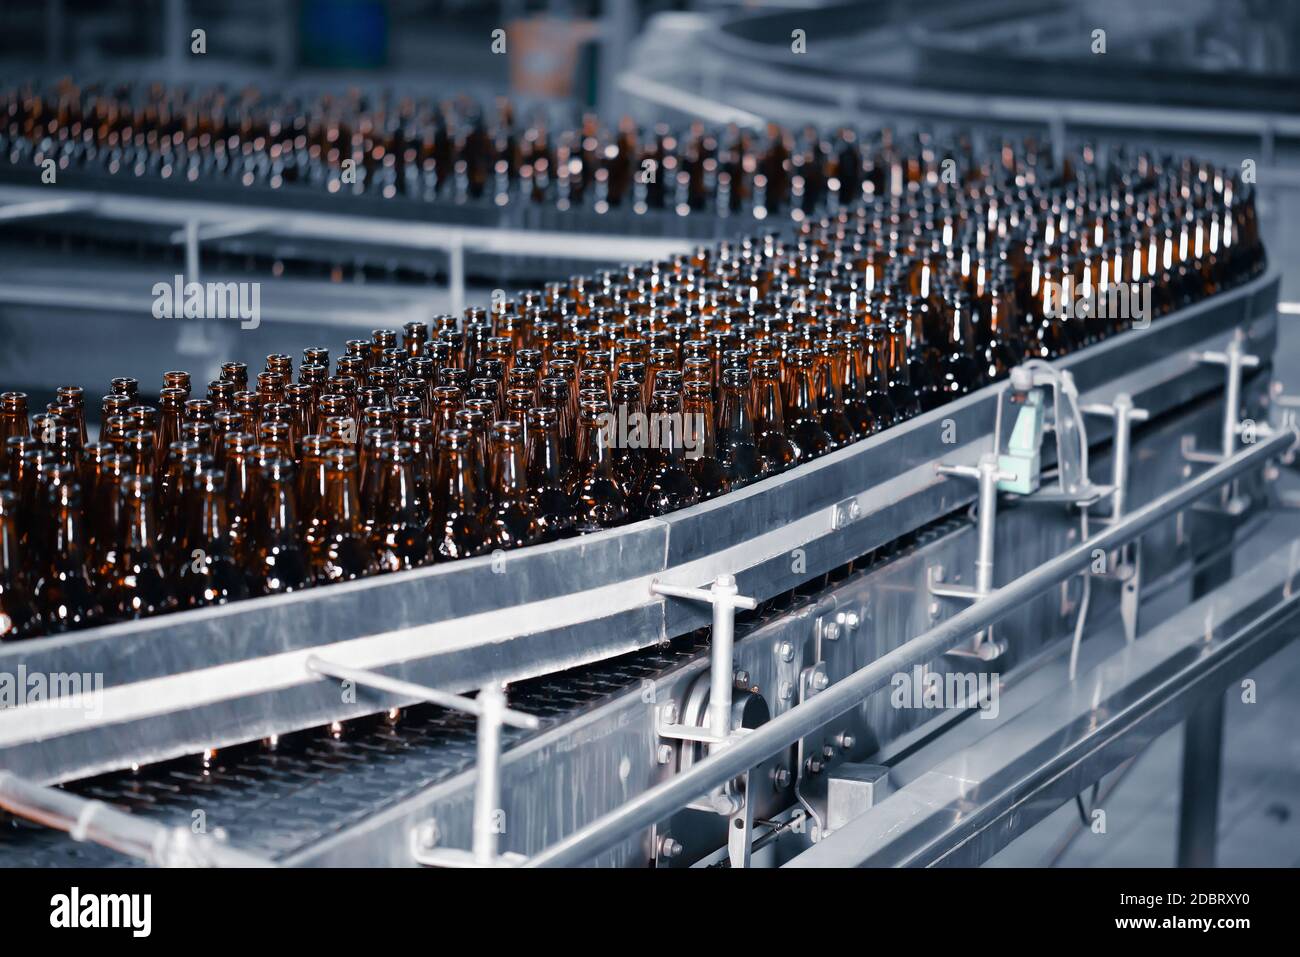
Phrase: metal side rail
(970,806)
(138,837)
(737,758)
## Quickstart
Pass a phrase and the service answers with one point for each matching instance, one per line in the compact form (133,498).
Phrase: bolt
(847,741)
(787,691)
(781,778)
(664,753)
(855,510)
(831,631)
(669,847)
(742,680)
(426,834)
(814,765)
(669,713)
(819,681)
(828,752)
(786,651)
(849,619)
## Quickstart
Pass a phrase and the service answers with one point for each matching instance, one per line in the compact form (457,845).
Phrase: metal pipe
(658,803)
(722,639)
(487,792)
(409,689)
(129,834)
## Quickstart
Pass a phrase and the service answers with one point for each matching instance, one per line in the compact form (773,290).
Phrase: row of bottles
(590,402)
(454,150)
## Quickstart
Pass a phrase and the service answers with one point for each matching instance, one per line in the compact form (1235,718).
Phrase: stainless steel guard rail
(139,837)
(746,752)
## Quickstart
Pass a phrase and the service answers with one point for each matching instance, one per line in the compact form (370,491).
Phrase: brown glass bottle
(457,528)
(803,420)
(828,374)
(62,588)
(667,486)
(511,516)
(133,583)
(699,441)
(205,571)
(599,499)
(775,449)
(19,615)
(336,538)
(275,561)
(399,524)
(737,442)
(549,474)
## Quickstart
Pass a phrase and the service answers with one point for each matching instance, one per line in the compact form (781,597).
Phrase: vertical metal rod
(987,530)
(192,250)
(722,641)
(1198,812)
(1232,400)
(487,792)
(456,278)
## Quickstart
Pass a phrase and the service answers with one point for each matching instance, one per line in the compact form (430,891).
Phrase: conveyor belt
(279,800)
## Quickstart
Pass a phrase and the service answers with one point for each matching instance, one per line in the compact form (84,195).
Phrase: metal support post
(722,594)
(490,709)
(987,474)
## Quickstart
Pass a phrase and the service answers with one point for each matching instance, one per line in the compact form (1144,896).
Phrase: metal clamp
(1128,567)
(988,475)
(490,709)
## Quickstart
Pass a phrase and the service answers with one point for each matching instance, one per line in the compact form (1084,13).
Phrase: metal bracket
(490,709)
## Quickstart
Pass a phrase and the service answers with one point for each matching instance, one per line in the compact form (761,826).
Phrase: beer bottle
(458,530)
(737,445)
(828,372)
(171,405)
(959,372)
(399,525)
(701,450)
(13,419)
(803,420)
(775,449)
(598,496)
(133,584)
(549,474)
(275,561)
(629,458)
(336,539)
(668,486)
(19,615)
(511,517)
(240,455)
(73,399)
(206,572)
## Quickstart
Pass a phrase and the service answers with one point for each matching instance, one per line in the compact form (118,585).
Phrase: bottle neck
(508,477)
(340,503)
(769,411)
(459,480)
(735,424)
(545,458)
